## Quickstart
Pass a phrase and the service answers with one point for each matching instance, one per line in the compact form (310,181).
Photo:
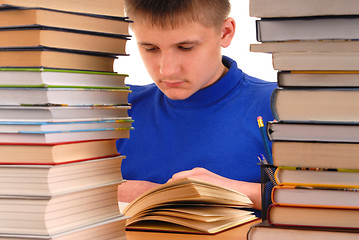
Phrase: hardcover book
(313,216)
(39,215)
(63,96)
(99,7)
(315,154)
(319,28)
(324,177)
(299,8)
(20,16)
(64,113)
(46,77)
(72,39)
(56,153)
(316,104)
(270,232)
(316,131)
(37,57)
(51,180)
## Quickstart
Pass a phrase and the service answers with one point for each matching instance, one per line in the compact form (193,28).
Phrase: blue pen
(265,141)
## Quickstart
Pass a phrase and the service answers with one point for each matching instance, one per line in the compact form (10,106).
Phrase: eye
(185,48)
(150,49)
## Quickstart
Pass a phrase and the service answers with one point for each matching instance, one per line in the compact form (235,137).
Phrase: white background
(255,64)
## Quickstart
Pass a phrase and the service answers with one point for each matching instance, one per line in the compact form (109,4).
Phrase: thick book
(315,154)
(305,46)
(99,7)
(298,8)
(59,126)
(112,228)
(315,28)
(63,96)
(51,180)
(56,153)
(47,77)
(313,216)
(46,57)
(189,206)
(316,196)
(324,177)
(16,17)
(270,232)
(290,79)
(316,61)
(305,131)
(53,37)
(65,113)
(40,215)
(316,104)
(64,136)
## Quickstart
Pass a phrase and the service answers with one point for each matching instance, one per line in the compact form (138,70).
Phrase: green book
(60,78)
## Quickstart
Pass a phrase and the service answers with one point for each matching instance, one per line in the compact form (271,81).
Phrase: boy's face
(183,60)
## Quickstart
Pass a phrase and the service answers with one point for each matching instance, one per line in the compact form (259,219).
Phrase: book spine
(273,104)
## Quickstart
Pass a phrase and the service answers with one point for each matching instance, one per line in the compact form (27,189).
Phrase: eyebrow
(145,44)
(187,42)
(176,44)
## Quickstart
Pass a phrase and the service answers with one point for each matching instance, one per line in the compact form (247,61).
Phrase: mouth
(173,84)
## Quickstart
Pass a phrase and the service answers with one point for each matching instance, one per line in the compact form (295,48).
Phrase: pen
(265,142)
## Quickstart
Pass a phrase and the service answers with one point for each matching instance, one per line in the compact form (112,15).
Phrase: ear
(227,31)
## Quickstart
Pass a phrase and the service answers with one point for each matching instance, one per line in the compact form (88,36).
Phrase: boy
(198,119)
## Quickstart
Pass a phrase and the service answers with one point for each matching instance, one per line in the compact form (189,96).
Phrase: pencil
(265,141)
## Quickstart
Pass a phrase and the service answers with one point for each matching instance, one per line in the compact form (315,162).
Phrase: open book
(189,206)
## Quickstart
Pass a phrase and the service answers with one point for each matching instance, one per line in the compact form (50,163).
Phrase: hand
(252,190)
(131,189)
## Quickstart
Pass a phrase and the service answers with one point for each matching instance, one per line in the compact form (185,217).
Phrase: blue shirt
(215,128)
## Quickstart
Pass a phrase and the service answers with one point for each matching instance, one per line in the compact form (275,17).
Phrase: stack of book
(315,138)
(62,108)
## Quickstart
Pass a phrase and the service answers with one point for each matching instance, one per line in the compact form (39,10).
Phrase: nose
(169,64)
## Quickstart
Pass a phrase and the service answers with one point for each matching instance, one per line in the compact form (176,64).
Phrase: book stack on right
(62,108)
(315,137)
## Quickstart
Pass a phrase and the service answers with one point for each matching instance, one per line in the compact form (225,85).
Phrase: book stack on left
(315,139)
(62,107)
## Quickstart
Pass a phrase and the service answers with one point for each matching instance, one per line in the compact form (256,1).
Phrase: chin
(177,96)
